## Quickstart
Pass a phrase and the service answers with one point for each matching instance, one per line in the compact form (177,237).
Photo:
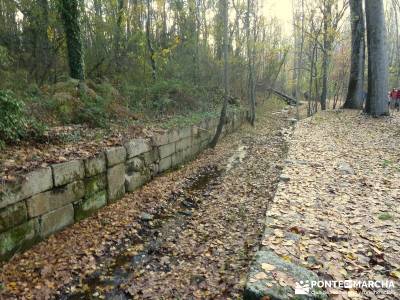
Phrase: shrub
(13,123)
(93,113)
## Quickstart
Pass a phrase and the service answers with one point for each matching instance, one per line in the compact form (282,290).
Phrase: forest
(199,149)
(158,58)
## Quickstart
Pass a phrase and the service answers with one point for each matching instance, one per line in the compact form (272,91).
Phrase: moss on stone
(86,207)
(19,238)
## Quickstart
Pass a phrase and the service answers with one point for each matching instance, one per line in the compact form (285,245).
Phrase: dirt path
(188,234)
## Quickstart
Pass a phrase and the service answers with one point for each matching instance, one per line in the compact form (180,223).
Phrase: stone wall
(49,199)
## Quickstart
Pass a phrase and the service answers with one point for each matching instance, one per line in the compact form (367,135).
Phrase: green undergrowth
(195,117)
(27,113)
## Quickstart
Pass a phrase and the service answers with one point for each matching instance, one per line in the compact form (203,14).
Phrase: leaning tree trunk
(355,95)
(377,102)
(226,82)
(69,10)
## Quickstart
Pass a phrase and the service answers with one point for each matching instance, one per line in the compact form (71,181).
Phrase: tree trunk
(119,33)
(377,102)
(355,94)
(69,10)
(149,45)
(250,57)
(326,53)
(226,81)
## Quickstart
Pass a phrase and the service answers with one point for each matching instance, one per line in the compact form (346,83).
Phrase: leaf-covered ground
(336,210)
(65,143)
(188,234)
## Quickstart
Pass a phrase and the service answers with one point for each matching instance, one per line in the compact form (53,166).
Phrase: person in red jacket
(397,101)
(392,98)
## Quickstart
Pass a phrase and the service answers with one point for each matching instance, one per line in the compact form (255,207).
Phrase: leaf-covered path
(188,234)
(336,211)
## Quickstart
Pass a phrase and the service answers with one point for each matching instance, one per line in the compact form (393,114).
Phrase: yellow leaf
(395,274)
(268,267)
(260,276)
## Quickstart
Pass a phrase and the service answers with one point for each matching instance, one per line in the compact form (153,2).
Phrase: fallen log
(289,100)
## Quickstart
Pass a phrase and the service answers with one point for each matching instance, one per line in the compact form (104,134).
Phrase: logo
(302,288)
(376,287)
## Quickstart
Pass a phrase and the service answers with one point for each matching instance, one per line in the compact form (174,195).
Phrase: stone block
(68,172)
(85,207)
(165,164)
(195,130)
(56,220)
(137,147)
(116,182)
(95,184)
(33,183)
(171,136)
(13,215)
(166,150)
(151,157)
(188,154)
(19,238)
(115,156)
(135,180)
(177,159)
(54,199)
(159,139)
(185,132)
(134,165)
(95,165)
(183,144)
(154,168)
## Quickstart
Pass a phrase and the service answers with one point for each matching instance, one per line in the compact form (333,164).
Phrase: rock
(165,164)
(135,180)
(45,202)
(345,168)
(134,165)
(88,206)
(284,178)
(137,147)
(95,165)
(183,144)
(31,184)
(257,288)
(13,215)
(154,169)
(151,157)
(116,182)
(68,172)
(178,158)
(56,220)
(95,184)
(115,156)
(186,213)
(165,138)
(185,132)
(19,238)
(296,162)
(146,217)
(293,121)
(166,150)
